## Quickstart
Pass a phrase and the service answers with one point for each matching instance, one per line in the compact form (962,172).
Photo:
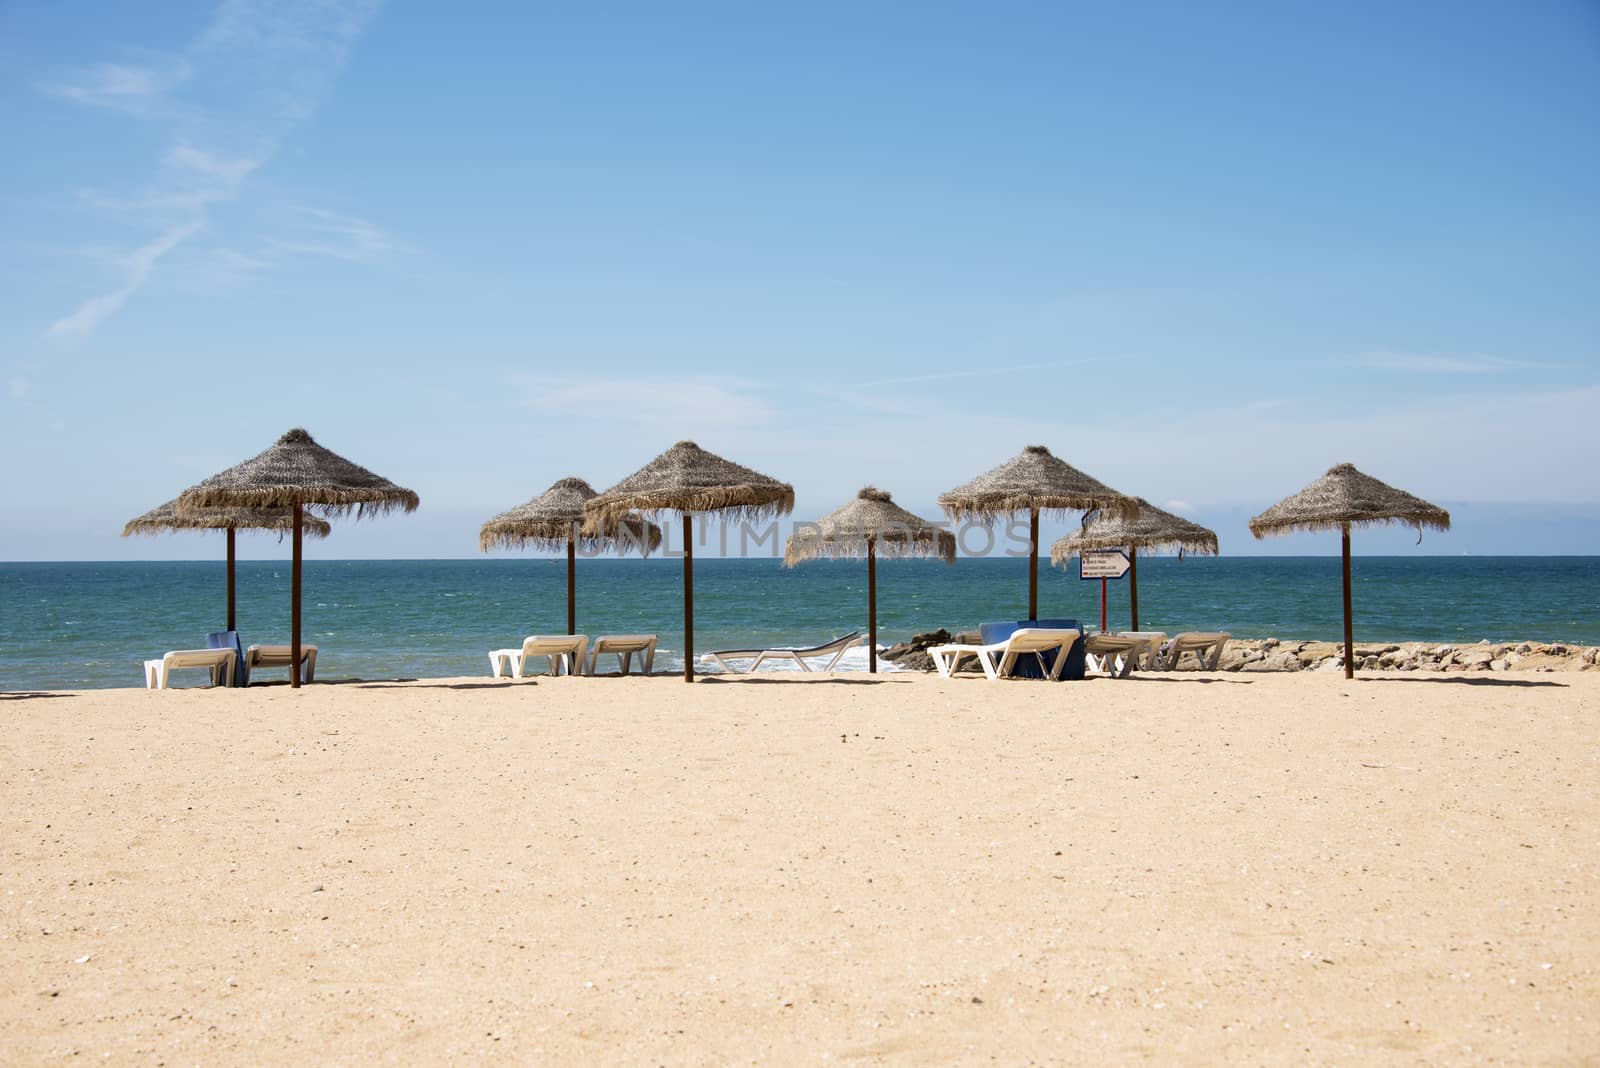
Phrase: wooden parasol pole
(294,605)
(1133,583)
(1033,563)
(872,606)
(688,598)
(231,624)
(1349,642)
(572,597)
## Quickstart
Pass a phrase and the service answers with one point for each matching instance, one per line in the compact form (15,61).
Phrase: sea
(90,625)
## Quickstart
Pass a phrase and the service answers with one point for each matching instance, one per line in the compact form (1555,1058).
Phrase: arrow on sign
(1103,564)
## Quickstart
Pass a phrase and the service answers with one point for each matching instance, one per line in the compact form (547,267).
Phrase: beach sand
(1278,869)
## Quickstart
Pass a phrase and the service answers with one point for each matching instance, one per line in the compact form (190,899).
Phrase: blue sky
(1203,252)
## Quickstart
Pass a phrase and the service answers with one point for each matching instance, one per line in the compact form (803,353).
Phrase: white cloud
(17,387)
(263,67)
(141,91)
(1449,365)
(226,172)
(92,312)
(315,232)
(1178,506)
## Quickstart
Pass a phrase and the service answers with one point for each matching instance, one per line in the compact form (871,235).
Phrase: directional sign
(1104,564)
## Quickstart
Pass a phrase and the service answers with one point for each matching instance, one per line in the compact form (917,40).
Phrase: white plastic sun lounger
(1205,645)
(997,659)
(219,662)
(834,649)
(625,646)
(564,650)
(1156,638)
(1118,654)
(278,656)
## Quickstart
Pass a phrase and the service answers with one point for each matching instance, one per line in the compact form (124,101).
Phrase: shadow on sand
(1181,677)
(32,695)
(814,678)
(1462,680)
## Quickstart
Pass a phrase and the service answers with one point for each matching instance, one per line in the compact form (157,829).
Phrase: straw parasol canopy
(1034,481)
(1341,499)
(688,479)
(293,473)
(872,521)
(1152,530)
(298,471)
(554,520)
(865,526)
(165,518)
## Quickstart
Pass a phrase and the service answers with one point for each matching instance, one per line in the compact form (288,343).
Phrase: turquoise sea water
(83,625)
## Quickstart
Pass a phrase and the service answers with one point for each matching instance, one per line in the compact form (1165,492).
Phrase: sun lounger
(1029,667)
(624,646)
(260,657)
(998,658)
(1205,645)
(564,650)
(220,662)
(1118,654)
(1156,639)
(835,649)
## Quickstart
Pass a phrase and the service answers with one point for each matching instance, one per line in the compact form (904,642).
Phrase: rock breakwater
(1275,654)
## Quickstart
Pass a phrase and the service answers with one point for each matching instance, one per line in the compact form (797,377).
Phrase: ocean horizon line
(503,556)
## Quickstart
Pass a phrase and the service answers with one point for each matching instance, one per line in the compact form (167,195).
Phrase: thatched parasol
(554,520)
(688,479)
(165,518)
(1033,481)
(864,526)
(293,473)
(1341,499)
(1153,529)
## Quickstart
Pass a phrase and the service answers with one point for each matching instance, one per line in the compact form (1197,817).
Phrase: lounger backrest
(229,639)
(1038,639)
(835,644)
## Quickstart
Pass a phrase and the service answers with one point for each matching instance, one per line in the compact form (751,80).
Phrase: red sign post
(1103,564)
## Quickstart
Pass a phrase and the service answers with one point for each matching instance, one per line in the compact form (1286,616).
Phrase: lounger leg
(799,660)
(990,672)
(1060,664)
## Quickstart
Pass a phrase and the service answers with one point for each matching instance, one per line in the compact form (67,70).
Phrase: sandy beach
(1271,869)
